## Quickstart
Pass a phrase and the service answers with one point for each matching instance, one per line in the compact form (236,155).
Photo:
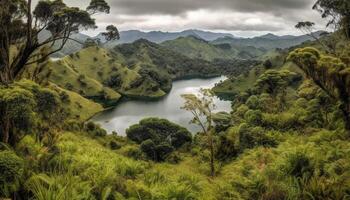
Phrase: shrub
(69,86)
(158,137)
(253,102)
(174,158)
(114,81)
(149,148)
(114,145)
(133,152)
(250,137)
(299,165)
(11,168)
(253,117)
(95,129)
(159,130)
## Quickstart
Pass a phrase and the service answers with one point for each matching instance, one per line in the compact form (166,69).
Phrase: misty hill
(159,36)
(268,41)
(70,47)
(194,47)
(143,54)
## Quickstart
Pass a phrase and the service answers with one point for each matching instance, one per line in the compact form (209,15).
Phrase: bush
(250,137)
(94,129)
(11,168)
(114,145)
(253,102)
(253,117)
(174,158)
(158,137)
(133,152)
(159,130)
(299,165)
(149,148)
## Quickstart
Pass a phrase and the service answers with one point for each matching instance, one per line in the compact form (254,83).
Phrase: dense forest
(286,137)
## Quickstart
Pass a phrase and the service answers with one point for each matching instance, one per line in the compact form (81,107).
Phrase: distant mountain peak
(269,36)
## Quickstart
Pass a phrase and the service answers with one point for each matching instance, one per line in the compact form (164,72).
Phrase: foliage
(201,107)
(20,31)
(12,168)
(25,107)
(94,129)
(338,13)
(158,137)
(327,72)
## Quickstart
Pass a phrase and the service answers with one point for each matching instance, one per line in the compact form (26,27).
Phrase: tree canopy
(338,12)
(329,73)
(20,28)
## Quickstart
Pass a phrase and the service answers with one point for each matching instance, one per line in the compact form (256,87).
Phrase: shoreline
(125,97)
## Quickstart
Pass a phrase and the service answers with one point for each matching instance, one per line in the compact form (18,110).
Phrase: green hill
(268,41)
(143,54)
(244,81)
(194,47)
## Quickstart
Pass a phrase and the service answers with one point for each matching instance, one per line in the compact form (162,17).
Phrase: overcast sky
(240,17)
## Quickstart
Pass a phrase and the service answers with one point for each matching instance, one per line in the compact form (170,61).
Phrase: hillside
(96,74)
(194,47)
(69,48)
(159,36)
(268,41)
(144,54)
(244,81)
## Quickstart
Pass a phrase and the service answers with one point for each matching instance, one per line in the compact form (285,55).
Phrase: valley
(174,100)
(130,112)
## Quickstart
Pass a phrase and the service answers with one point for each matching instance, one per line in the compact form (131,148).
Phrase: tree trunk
(212,161)
(5,130)
(346,115)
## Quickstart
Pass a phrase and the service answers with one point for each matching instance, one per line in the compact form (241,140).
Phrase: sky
(243,18)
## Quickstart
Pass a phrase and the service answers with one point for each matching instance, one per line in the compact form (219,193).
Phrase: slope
(195,47)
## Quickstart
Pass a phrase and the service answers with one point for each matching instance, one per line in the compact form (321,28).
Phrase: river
(131,112)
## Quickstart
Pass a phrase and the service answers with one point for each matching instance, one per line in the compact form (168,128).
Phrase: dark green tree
(338,13)
(275,83)
(21,26)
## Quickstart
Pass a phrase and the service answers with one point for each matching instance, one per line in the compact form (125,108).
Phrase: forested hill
(268,41)
(195,47)
(286,135)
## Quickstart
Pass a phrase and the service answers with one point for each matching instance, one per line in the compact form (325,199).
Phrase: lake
(131,112)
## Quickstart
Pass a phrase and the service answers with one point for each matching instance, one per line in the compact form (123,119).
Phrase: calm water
(131,112)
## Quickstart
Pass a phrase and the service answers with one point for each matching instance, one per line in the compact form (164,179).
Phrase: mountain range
(268,41)
(264,42)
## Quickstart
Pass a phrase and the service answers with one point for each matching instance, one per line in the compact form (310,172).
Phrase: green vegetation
(194,47)
(158,138)
(287,136)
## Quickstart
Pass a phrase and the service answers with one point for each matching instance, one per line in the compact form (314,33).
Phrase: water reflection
(131,112)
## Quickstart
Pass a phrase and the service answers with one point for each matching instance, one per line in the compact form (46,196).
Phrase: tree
(327,72)
(201,107)
(112,33)
(308,28)
(338,13)
(20,28)
(268,64)
(158,137)
(275,83)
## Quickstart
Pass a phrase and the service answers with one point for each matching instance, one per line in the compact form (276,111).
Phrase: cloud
(141,7)
(244,17)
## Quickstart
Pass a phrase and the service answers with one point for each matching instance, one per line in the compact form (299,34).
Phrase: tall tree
(331,74)
(20,29)
(201,107)
(308,28)
(338,12)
